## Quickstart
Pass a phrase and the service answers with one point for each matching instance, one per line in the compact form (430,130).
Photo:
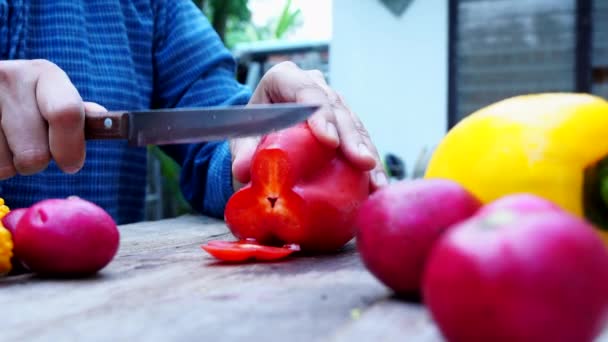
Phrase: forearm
(206,170)
(195,69)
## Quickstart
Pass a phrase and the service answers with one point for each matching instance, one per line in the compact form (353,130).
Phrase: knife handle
(109,125)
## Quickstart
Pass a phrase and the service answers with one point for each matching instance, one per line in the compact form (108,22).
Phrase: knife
(187,125)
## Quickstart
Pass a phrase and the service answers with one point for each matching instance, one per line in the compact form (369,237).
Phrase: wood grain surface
(163,287)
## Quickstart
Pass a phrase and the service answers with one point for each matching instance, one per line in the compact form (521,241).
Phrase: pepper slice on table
(552,145)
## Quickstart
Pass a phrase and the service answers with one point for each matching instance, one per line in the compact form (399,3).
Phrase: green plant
(226,16)
(170,172)
(288,20)
(231,19)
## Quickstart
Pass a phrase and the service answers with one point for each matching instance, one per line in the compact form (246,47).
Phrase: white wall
(393,71)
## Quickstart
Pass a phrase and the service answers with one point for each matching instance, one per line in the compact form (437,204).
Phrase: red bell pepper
(301,192)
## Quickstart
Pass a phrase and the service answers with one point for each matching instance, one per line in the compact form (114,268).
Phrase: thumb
(92,107)
(242,153)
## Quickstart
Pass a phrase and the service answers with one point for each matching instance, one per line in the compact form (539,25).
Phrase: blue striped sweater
(127,54)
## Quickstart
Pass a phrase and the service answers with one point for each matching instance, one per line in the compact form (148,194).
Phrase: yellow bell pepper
(6,242)
(551,145)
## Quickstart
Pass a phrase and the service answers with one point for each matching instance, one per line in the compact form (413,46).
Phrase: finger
(7,169)
(365,154)
(92,107)
(355,140)
(286,82)
(323,123)
(357,143)
(24,129)
(378,176)
(242,153)
(63,108)
(378,179)
(318,76)
(275,87)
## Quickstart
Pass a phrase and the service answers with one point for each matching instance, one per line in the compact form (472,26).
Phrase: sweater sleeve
(194,68)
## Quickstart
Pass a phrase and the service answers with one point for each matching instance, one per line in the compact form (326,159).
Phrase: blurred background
(410,69)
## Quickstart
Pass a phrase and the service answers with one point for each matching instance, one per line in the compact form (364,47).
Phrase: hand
(333,124)
(42,118)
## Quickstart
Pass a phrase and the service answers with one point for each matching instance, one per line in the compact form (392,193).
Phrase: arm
(193,68)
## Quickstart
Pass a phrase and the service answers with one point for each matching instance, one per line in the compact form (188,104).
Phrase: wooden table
(163,287)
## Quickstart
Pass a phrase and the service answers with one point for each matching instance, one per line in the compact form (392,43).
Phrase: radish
(518,270)
(9,221)
(398,225)
(66,237)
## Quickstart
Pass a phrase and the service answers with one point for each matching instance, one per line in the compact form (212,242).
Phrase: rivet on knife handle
(110,125)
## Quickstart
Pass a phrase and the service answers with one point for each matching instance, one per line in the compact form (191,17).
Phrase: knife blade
(187,125)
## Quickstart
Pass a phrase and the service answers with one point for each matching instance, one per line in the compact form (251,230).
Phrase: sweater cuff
(219,182)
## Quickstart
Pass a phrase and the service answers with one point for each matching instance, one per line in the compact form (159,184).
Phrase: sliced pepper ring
(244,250)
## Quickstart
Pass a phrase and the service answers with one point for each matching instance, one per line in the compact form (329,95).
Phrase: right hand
(42,118)
(286,82)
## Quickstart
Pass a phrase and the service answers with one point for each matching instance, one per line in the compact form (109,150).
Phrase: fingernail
(331,131)
(72,169)
(380,178)
(364,151)
(94,107)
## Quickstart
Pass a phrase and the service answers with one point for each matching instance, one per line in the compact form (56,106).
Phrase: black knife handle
(109,125)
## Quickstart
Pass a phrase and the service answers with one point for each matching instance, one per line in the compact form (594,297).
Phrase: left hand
(334,124)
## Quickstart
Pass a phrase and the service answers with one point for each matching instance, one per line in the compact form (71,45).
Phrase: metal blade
(174,126)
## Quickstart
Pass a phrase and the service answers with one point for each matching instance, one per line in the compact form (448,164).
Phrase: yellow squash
(6,242)
(550,145)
